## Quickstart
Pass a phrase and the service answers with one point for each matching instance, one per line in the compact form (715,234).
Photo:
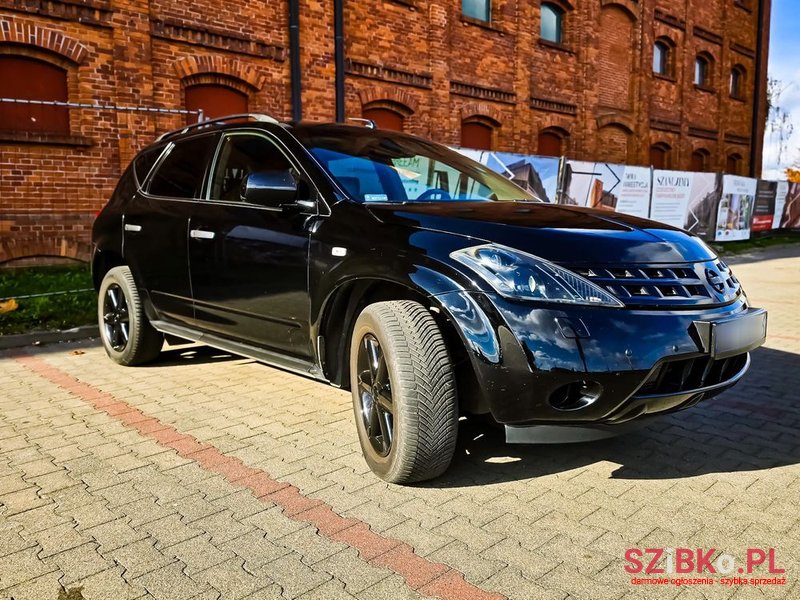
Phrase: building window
(27,78)
(660,155)
(733,166)
(477,135)
(700,160)
(552,23)
(384,118)
(551,142)
(738,75)
(662,58)
(477,9)
(215,101)
(702,71)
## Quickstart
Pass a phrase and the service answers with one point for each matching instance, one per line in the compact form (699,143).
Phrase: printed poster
(791,210)
(610,187)
(686,200)
(780,203)
(735,208)
(537,174)
(764,207)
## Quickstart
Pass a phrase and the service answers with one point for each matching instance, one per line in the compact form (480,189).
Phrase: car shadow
(749,428)
(192,354)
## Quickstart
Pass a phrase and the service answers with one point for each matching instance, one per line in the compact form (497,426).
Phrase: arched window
(662,57)
(738,77)
(477,135)
(703,64)
(733,166)
(31,79)
(551,142)
(384,118)
(477,9)
(700,160)
(215,101)
(660,155)
(552,23)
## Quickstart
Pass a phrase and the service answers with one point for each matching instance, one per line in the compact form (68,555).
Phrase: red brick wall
(421,58)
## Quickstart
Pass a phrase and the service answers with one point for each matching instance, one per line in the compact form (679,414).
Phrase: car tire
(397,347)
(127,335)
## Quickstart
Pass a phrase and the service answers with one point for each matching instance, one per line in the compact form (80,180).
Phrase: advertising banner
(608,187)
(536,174)
(735,208)
(780,203)
(686,200)
(764,208)
(791,210)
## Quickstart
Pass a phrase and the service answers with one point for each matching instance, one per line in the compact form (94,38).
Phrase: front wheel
(127,335)
(404,392)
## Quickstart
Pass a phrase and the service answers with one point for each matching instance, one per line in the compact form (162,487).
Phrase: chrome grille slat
(663,285)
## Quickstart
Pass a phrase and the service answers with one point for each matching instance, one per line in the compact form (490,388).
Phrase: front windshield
(380,166)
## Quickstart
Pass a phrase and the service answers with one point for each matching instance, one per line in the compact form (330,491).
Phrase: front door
(248,263)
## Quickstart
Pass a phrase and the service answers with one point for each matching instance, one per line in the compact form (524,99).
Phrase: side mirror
(270,188)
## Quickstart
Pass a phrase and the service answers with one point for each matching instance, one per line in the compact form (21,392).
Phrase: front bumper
(617,365)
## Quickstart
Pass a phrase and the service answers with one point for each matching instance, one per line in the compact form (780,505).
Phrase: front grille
(665,285)
(691,374)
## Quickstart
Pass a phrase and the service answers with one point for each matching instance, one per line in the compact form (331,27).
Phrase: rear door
(156,222)
(249,263)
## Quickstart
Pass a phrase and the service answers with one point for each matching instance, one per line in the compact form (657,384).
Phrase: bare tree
(779,122)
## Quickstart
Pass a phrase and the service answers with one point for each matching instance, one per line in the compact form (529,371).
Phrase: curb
(49,337)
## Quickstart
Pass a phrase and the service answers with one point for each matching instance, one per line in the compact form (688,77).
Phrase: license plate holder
(736,335)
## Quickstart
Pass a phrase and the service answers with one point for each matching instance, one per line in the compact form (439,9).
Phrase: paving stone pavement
(211,476)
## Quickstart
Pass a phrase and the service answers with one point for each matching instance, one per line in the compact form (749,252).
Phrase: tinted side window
(145,161)
(181,173)
(241,155)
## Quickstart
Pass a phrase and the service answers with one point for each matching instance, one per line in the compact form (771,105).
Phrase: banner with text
(735,209)
(608,187)
(686,200)
(765,207)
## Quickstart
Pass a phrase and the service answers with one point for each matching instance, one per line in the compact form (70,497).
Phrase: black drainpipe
(338,35)
(758,123)
(294,60)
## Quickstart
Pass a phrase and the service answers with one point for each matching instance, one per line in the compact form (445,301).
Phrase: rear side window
(181,173)
(143,163)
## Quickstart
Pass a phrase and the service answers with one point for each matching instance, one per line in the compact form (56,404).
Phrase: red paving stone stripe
(427,577)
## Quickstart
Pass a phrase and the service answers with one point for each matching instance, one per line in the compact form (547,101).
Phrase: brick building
(676,84)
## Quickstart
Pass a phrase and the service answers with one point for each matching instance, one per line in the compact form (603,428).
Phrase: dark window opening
(550,144)
(476,135)
(384,118)
(477,9)
(700,160)
(702,71)
(240,156)
(733,165)
(661,59)
(552,28)
(215,101)
(737,82)
(660,156)
(27,78)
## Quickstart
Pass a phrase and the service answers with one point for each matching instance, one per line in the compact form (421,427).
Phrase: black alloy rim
(116,320)
(375,395)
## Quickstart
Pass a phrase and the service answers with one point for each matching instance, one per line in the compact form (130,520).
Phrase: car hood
(559,233)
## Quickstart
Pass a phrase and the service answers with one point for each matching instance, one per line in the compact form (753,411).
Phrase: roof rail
(253,116)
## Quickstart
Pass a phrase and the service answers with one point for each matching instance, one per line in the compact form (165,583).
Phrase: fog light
(575,395)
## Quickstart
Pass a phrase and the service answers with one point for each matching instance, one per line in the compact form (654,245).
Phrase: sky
(784,49)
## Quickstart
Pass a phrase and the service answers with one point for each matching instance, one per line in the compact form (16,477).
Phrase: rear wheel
(404,393)
(127,335)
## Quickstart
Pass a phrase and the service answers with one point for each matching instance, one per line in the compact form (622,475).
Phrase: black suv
(422,281)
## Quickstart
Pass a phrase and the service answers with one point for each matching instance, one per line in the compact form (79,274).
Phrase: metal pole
(338,33)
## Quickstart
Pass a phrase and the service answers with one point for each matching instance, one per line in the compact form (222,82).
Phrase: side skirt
(274,359)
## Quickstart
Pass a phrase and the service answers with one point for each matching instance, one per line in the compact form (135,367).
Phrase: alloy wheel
(375,394)
(116,319)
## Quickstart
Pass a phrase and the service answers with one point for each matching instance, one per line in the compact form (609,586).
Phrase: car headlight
(522,276)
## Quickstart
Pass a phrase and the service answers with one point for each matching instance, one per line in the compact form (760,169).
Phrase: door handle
(200,234)
(133,228)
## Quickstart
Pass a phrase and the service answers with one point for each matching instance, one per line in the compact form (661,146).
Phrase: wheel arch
(349,298)
(102,262)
